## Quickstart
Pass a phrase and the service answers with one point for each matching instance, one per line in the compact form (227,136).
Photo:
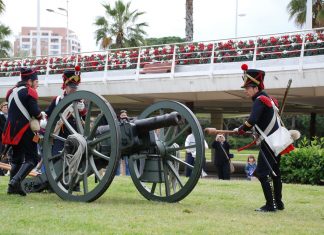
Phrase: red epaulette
(33,93)
(266,100)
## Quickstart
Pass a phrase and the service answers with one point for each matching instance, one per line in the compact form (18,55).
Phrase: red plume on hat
(244,67)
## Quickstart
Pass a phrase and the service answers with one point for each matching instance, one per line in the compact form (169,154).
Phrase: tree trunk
(189,20)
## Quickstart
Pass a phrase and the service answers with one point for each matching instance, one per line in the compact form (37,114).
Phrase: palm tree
(120,23)
(297,10)
(5,46)
(2,6)
(189,20)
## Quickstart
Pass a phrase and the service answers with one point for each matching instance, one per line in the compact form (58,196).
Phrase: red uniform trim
(288,149)
(33,93)
(6,138)
(275,101)
(266,100)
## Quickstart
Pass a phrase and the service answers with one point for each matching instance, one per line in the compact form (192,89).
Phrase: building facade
(52,40)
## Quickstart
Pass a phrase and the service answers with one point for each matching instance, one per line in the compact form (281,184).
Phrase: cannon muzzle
(148,124)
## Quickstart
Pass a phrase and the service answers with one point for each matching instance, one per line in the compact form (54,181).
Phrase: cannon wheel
(96,169)
(170,144)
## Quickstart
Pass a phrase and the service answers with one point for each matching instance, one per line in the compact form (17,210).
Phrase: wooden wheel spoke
(95,126)
(94,168)
(88,119)
(58,137)
(153,188)
(171,141)
(181,161)
(100,138)
(67,124)
(77,118)
(166,179)
(182,147)
(175,173)
(98,154)
(169,132)
(56,156)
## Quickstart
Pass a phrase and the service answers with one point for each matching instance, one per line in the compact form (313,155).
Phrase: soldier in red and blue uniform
(17,131)
(71,81)
(261,115)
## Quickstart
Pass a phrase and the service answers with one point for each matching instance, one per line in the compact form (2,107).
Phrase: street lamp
(236,17)
(67,22)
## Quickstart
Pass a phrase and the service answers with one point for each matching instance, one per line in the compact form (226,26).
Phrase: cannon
(154,144)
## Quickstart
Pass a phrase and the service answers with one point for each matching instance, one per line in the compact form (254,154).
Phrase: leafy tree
(189,20)
(5,31)
(297,10)
(120,23)
(164,40)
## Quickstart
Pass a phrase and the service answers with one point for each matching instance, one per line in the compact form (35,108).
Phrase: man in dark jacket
(262,115)
(222,157)
(22,100)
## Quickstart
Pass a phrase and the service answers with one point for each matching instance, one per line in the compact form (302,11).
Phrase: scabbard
(267,162)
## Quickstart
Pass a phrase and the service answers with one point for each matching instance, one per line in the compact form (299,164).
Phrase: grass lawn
(214,207)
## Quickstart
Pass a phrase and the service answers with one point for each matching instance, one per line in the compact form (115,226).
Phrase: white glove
(43,123)
(80,106)
(44,115)
(235,129)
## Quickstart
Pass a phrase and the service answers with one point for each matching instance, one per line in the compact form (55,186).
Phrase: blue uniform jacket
(262,112)
(17,124)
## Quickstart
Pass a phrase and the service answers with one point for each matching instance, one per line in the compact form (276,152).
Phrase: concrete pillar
(216,120)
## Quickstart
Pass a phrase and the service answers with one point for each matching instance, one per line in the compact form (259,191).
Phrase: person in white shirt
(191,154)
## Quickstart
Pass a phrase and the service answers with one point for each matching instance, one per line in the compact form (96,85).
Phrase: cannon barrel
(148,124)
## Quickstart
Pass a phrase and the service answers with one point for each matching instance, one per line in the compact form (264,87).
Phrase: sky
(213,19)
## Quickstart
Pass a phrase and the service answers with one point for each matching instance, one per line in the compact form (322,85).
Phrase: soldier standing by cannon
(263,117)
(18,131)
(71,81)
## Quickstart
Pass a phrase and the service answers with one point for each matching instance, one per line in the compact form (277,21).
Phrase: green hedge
(304,165)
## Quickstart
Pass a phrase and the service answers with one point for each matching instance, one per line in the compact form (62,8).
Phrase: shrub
(305,165)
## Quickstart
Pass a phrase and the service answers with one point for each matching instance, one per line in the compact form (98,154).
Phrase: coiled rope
(72,161)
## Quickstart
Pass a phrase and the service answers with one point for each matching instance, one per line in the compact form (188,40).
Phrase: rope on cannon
(72,161)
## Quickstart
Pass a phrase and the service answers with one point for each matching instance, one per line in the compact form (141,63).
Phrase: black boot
(266,187)
(277,188)
(14,169)
(14,186)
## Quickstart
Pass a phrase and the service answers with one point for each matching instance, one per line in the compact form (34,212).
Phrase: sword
(267,162)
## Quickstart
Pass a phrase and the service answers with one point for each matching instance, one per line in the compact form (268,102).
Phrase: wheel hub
(71,145)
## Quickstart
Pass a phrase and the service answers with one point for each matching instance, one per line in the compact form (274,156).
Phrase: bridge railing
(245,49)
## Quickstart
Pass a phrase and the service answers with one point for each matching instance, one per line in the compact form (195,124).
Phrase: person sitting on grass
(250,167)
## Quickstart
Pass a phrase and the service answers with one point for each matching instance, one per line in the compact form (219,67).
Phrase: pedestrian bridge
(206,75)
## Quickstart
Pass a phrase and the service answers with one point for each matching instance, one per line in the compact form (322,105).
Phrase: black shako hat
(71,77)
(252,77)
(28,73)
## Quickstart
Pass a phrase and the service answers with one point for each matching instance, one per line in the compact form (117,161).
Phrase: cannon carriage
(154,144)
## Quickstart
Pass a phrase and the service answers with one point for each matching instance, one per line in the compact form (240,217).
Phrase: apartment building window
(54,40)
(54,47)
(25,46)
